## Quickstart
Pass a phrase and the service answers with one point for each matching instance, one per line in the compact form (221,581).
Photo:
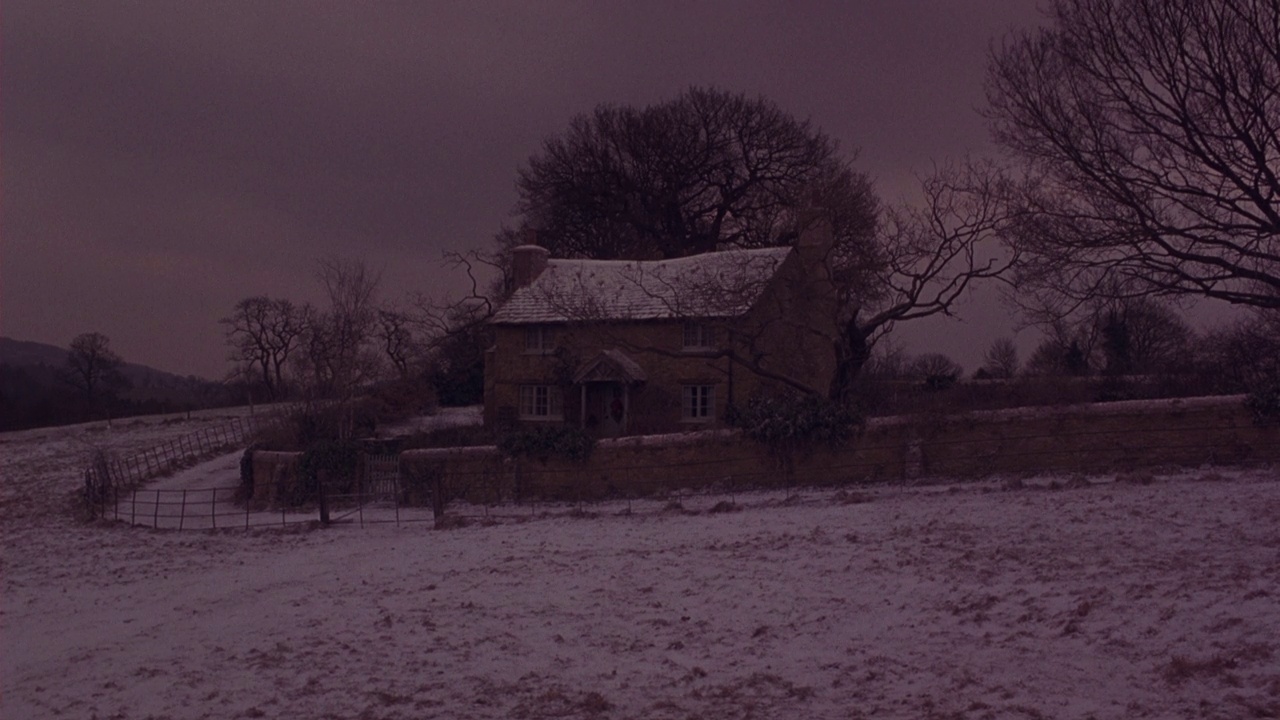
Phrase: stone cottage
(625,347)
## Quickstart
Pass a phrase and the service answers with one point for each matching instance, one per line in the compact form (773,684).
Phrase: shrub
(245,491)
(420,483)
(787,424)
(940,382)
(99,484)
(402,399)
(334,462)
(1264,403)
(938,371)
(543,444)
(456,436)
(306,425)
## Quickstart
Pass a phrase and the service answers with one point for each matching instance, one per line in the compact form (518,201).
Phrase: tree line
(414,353)
(1136,339)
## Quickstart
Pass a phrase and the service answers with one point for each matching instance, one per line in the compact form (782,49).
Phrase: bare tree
(1001,359)
(395,336)
(1144,336)
(1151,132)
(1047,359)
(92,368)
(339,339)
(1242,356)
(936,370)
(263,332)
(705,170)
(927,258)
(456,360)
(1138,335)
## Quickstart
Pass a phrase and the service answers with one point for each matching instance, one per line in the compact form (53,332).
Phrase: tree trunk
(852,353)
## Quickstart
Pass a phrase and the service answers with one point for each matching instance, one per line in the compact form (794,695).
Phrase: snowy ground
(1142,598)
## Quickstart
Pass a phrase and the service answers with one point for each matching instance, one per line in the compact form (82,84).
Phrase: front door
(606,408)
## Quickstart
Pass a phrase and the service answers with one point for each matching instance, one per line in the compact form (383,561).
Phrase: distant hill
(33,394)
(22,352)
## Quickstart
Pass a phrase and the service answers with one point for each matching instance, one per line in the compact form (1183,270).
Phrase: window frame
(697,403)
(703,336)
(547,408)
(539,340)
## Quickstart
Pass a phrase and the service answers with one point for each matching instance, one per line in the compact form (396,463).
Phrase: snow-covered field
(1125,599)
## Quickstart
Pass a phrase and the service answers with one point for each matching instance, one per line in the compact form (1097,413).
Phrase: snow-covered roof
(712,285)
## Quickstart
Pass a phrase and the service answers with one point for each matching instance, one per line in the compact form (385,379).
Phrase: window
(699,336)
(698,403)
(540,402)
(538,340)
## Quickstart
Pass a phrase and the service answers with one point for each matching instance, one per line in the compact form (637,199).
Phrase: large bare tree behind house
(706,170)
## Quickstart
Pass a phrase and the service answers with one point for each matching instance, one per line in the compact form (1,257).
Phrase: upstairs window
(541,402)
(697,403)
(699,336)
(538,340)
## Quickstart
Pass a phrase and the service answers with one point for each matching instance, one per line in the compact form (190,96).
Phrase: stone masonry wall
(1090,438)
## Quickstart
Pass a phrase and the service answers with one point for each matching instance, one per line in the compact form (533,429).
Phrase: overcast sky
(162,160)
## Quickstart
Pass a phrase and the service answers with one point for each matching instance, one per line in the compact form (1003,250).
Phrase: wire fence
(108,478)
(222,508)
(385,502)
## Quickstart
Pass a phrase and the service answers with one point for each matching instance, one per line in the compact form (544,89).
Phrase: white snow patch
(1112,600)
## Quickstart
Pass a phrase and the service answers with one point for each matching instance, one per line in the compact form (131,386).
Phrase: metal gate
(381,479)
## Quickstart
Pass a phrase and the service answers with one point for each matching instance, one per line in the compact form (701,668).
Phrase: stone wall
(1114,437)
(273,473)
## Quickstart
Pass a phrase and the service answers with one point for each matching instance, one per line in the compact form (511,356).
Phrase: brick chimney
(528,261)
(816,237)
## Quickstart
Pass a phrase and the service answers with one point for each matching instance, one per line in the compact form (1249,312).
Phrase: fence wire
(108,478)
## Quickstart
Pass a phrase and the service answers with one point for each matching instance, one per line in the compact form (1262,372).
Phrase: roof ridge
(778,249)
(723,283)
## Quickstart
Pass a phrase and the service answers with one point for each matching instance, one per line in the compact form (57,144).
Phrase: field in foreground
(1106,600)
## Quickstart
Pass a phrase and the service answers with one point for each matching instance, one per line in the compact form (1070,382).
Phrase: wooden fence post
(89,500)
(324,501)
(437,496)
